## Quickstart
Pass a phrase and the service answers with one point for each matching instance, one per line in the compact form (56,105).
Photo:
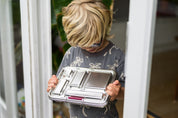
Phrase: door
(8,101)
(36,42)
(36,48)
(140,35)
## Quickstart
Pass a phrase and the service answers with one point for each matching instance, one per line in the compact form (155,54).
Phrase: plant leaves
(107,3)
(59,4)
(66,47)
(53,15)
(60,27)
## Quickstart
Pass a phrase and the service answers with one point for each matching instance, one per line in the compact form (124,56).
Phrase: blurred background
(163,95)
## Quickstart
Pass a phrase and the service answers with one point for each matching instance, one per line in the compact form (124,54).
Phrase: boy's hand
(52,83)
(113,90)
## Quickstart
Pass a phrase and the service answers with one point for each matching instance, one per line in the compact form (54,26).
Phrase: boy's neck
(104,44)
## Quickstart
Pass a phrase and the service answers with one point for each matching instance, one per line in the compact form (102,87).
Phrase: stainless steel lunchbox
(84,86)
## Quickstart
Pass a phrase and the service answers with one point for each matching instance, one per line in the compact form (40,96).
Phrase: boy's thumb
(116,82)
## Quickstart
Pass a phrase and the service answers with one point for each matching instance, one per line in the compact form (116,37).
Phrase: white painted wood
(3,104)
(36,41)
(3,109)
(45,54)
(140,33)
(8,60)
(26,42)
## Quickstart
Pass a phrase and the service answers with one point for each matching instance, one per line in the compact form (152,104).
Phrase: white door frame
(36,41)
(9,106)
(140,35)
(37,62)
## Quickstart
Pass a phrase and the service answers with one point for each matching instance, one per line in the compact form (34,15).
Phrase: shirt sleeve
(120,70)
(66,60)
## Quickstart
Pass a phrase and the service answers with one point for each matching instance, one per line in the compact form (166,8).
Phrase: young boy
(87,24)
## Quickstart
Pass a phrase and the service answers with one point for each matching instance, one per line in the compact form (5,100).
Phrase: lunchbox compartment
(83,86)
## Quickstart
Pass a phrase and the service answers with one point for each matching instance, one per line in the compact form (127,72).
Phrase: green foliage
(107,3)
(65,47)
(57,10)
(56,59)
(59,4)
(53,15)
(57,54)
(60,27)
(16,12)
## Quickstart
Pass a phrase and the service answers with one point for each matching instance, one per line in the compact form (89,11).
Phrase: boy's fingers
(110,95)
(51,85)
(112,98)
(54,76)
(48,89)
(108,88)
(116,82)
(54,81)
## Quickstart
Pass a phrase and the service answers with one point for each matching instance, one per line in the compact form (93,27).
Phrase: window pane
(18,56)
(163,94)
(59,46)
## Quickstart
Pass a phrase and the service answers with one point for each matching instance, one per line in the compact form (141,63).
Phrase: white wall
(119,32)
(165,33)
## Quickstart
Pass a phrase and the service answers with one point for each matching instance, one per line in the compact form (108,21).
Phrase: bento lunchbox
(83,86)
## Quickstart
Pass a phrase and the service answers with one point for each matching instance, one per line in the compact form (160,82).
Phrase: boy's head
(86,22)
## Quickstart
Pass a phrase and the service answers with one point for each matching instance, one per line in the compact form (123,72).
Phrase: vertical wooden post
(140,35)
(37,62)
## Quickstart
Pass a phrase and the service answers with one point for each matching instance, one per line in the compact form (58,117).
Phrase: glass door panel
(11,72)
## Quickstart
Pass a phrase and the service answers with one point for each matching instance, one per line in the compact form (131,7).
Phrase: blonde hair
(86,22)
